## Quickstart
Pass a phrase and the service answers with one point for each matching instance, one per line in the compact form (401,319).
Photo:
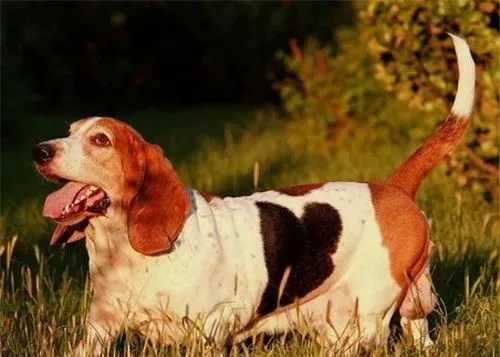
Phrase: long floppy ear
(157,212)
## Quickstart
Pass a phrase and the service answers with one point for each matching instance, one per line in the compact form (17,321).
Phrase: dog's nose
(42,153)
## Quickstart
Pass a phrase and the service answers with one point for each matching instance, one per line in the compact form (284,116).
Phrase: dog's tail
(411,173)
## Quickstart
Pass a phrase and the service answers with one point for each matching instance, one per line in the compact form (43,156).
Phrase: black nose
(42,153)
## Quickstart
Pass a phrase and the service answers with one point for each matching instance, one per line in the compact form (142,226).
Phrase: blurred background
(126,55)
(244,95)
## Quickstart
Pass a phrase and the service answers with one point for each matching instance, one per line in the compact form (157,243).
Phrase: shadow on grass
(456,281)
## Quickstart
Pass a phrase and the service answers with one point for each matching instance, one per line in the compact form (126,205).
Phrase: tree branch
(476,160)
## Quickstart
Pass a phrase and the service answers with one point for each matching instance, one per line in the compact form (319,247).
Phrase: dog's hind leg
(417,304)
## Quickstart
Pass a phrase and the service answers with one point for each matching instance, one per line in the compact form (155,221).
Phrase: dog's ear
(157,212)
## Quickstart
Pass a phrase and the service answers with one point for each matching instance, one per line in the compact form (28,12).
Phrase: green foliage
(331,85)
(415,60)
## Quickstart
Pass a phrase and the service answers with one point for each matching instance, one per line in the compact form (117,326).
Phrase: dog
(341,257)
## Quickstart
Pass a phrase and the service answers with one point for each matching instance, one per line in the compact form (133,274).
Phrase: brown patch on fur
(160,207)
(156,200)
(207,196)
(298,190)
(411,173)
(404,231)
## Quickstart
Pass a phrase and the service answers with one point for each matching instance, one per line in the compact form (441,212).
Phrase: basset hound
(340,257)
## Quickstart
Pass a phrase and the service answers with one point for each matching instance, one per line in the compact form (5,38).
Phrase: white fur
(464,100)
(216,273)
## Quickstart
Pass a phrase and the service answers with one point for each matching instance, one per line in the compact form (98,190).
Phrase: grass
(44,292)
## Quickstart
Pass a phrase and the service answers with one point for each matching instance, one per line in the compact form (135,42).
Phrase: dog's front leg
(101,328)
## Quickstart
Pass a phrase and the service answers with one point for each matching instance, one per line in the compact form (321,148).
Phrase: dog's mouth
(71,207)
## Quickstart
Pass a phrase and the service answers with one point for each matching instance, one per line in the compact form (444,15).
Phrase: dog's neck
(107,244)
(109,248)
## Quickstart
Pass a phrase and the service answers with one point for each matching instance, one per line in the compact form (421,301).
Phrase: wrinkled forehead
(112,125)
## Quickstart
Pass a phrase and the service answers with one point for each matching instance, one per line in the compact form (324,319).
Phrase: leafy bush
(333,85)
(402,48)
(415,59)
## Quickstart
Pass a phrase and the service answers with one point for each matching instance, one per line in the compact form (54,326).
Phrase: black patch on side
(305,244)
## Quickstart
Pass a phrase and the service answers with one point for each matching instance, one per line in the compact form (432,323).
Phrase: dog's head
(107,166)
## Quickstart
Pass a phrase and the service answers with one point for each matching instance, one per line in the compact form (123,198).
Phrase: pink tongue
(56,201)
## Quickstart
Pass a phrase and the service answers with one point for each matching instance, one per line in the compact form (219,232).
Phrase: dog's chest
(217,263)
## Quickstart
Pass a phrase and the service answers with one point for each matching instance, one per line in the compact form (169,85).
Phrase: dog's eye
(101,140)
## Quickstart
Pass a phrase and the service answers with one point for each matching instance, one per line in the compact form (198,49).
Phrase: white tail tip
(464,99)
